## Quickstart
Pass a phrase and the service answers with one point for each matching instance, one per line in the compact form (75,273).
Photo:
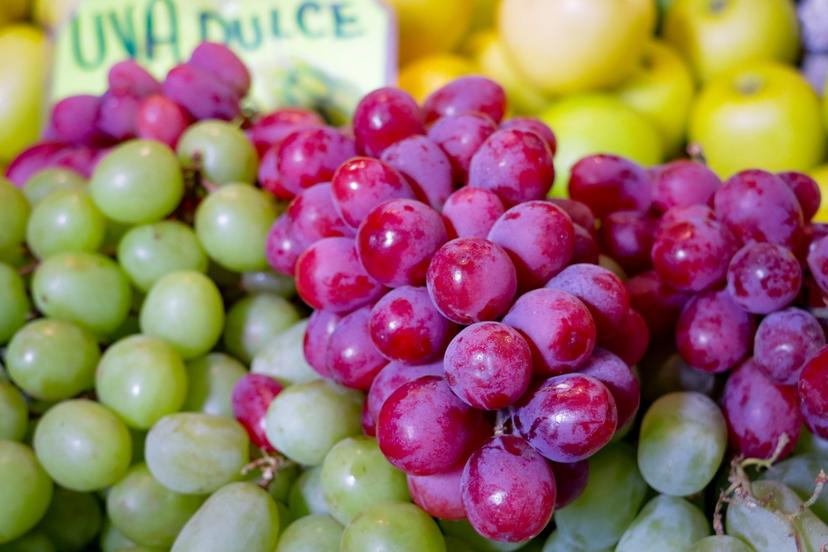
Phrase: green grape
(14,413)
(562,542)
(356,476)
(463,531)
(138,182)
(665,523)
(142,379)
(665,374)
(800,474)
(142,549)
(682,442)
(14,213)
(283,358)
(186,310)
(808,442)
(401,527)
(73,520)
(306,420)
(316,533)
(52,360)
(32,542)
(25,490)
(82,445)
(254,320)
(306,496)
(14,303)
(282,483)
(85,288)
(111,539)
(613,494)
(221,150)
(232,224)
(210,382)
(46,181)
(194,453)
(151,251)
(284,514)
(239,517)
(719,543)
(147,512)
(267,281)
(64,222)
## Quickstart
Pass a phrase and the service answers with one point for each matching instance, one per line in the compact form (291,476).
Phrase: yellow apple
(24,50)
(483,17)
(599,123)
(431,26)
(423,76)
(51,13)
(13,10)
(761,116)
(716,36)
(565,46)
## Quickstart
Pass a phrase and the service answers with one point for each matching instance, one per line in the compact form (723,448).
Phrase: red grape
(129,76)
(389,379)
(271,129)
(818,262)
(600,290)
(384,117)
(806,191)
(313,215)
(269,175)
(282,247)
(425,166)
(608,183)
(471,212)
(32,160)
(470,94)
(161,119)
(118,115)
(683,183)
(658,303)
(627,237)
(320,328)
(630,341)
(763,277)
(251,398)
(361,184)
(201,94)
(586,247)
(571,480)
(577,211)
(531,124)
(813,393)
(617,376)
(440,494)
(311,156)
(74,120)
(784,341)
(221,63)
(459,137)
(352,358)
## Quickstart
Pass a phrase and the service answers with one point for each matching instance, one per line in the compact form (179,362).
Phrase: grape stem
(696,153)
(269,464)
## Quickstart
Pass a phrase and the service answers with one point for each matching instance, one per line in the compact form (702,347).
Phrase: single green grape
(283,358)
(719,543)
(14,303)
(221,150)
(65,221)
(14,413)
(665,523)
(401,527)
(800,473)
(138,182)
(142,379)
(52,360)
(306,495)
(186,310)
(463,531)
(279,488)
(111,539)
(53,179)
(210,382)
(306,420)
(149,252)
(88,289)
(82,445)
(315,533)
(562,542)
(254,320)
(239,517)
(682,443)
(73,520)
(14,214)
(35,541)
(232,224)
(268,281)
(25,490)
(147,512)
(356,476)
(194,453)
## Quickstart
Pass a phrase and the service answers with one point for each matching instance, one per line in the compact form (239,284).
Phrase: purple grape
(471,212)
(129,77)
(813,393)
(586,247)
(363,183)
(530,124)
(384,117)
(308,157)
(627,237)
(313,216)
(320,328)
(161,119)
(617,376)
(118,115)
(609,183)
(222,64)
(471,94)
(271,129)
(425,166)
(784,341)
(352,358)
(600,290)
(763,277)
(282,248)
(392,377)
(818,262)
(806,191)
(201,93)
(683,183)
(577,211)
(74,121)
(459,137)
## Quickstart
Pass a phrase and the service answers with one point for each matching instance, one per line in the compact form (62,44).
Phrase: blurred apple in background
(13,10)
(431,26)
(661,88)
(51,13)
(762,116)
(423,76)
(820,174)
(599,123)
(484,15)
(565,46)
(716,36)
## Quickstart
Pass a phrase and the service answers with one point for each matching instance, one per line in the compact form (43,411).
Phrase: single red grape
(818,262)
(361,184)
(320,328)
(221,63)
(201,93)
(531,124)
(813,393)
(471,212)
(251,398)
(426,167)
(161,119)
(271,129)
(608,183)
(282,248)
(683,183)
(470,94)
(617,376)
(311,156)
(586,247)
(600,290)
(658,303)
(74,120)
(784,341)
(352,358)
(459,137)
(129,76)
(389,379)
(313,215)
(577,211)
(384,117)
(627,237)
(763,277)
(806,191)
(118,115)
(269,178)
(630,341)
(440,494)
(571,480)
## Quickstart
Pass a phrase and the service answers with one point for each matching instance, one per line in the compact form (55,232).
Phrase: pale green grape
(239,517)
(82,445)
(138,182)
(283,358)
(254,321)
(14,303)
(14,414)
(562,542)
(800,473)
(196,453)
(142,379)
(667,374)
(14,213)
(232,224)
(210,382)
(186,310)
(111,539)
(64,222)
(665,523)
(221,150)
(267,281)
(610,501)
(284,514)
(808,442)
(306,420)
(722,543)
(53,179)
(152,251)
(463,531)
(25,490)
(356,476)
(282,483)
(400,527)
(31,542)
(147,512)
(52,360)
(85,288)
(682,442)
(306,496)
(73,520)
(317,533)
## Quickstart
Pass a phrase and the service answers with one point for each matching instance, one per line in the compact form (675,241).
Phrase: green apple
(661,89)
(566,46)
(599,123)
(764,116)
(51,13)
(716,36)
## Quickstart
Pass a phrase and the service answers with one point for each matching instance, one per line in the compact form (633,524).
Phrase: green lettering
(256,40)
(302,15)
(125,31)
(346,23)
(164,15)
(209,20)
(99,43)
